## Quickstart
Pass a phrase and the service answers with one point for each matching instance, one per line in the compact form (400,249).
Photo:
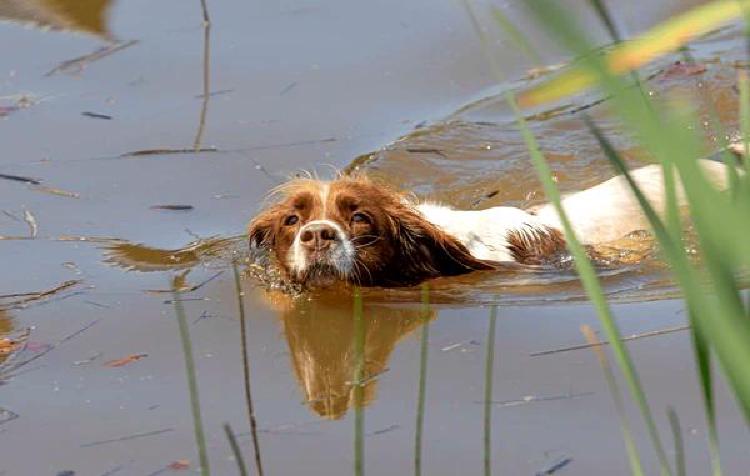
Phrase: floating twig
(219,92)
(668,330)
(149,152)
(383,431)
(77,65)
(125,360)
(172,207)
(96,115)
(55,191)
(20,178)
(555,467)
(534,399)
(20,299)
(127,438)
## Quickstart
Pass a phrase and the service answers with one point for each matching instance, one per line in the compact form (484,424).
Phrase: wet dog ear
(260,229)
(424,251)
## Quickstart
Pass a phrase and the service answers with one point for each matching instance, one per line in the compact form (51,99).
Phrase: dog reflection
(86,16)
(321,335)
(319,327)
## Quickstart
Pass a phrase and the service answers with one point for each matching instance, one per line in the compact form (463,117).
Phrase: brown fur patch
(537,246)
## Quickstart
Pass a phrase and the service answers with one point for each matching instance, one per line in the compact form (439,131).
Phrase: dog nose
(318,236)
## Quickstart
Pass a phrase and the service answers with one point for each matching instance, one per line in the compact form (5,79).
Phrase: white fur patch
(483,232)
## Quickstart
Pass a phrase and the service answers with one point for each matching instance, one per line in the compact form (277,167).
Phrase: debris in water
(14,362)
(288,88)
(384,430)
(555,467)
(215,93)
(7,415)
(96,115)
(76,65)
(659,332)
(415,150)
(78,363)
(5,110)
(30,220)
(56,191)
(127,438)
(125,360)
(172,207)
(179,465)
(149,152)
(8,346)
(20,178)
(20,299)
(681,69)
(533,399)
(459,345)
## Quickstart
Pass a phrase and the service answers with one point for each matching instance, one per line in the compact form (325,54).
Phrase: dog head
(357,231)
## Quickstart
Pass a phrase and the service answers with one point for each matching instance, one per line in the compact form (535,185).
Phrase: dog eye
(291,220)
(360,218)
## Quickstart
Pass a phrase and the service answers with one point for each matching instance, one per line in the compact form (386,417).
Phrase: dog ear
(425,251)
(260,230)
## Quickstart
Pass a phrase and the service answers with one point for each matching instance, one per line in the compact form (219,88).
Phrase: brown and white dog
(354,230)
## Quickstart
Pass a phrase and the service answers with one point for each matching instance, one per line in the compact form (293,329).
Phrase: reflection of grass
(488,367)
(423,350)
(235,449)
(359,384)
(246,368)
(187,349)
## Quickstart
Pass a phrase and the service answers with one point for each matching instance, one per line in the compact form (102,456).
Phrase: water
(307,86)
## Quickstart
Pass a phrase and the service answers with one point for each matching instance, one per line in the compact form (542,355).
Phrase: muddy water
(103,105)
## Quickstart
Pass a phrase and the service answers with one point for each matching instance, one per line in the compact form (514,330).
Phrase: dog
(357,231)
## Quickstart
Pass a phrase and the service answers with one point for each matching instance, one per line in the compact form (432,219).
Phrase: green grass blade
(703,360)
(195,406)
(488,373)
(679,447)
(633,457)
(603,13)
(423,353)
(743,83)
(721,319)
(628,56)
(593,288)
(518,39)
(497,71)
